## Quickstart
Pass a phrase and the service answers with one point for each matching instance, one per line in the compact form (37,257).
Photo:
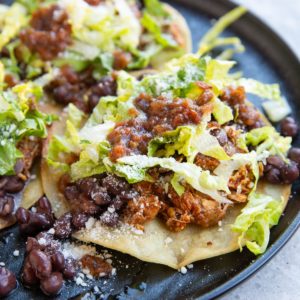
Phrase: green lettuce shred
(11,22)
(199,179)
(268,139)
(212,39)
(18,119)
(254,222)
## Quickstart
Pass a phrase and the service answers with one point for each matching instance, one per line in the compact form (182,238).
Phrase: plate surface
(267,59)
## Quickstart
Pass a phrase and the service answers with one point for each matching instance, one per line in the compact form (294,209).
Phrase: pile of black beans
(276,170)
(44,265)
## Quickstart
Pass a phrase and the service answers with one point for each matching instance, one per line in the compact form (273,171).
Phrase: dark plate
(268,59)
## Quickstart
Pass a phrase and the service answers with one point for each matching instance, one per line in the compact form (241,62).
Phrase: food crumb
(209,243)
(220,223)
(183,270)
(190,266)
(51,231)
(16,253)
(168,240)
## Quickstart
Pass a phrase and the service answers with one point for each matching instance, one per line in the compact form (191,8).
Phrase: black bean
(273,176)
(109,218)
(7,205)
(290,173)
(58,261)
(40,263)
(275,161)
(22,215)
(63,226)
(79,220)
(8,281)
(52,285)
(294,155)
(44,206)
(69,271)
(14,184)
(37,222)
(31,244)
(86,185)
(289,127)
(114,184)
(28,275)
(100,195)
(71,192)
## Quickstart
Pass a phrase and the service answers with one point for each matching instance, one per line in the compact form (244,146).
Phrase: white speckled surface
(280,278)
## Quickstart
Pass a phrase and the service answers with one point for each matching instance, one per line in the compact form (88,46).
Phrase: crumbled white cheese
(183,270)
(111,209)
(80,281)
(51,231)
(90,223)
(168,240)
(42,241)
(77,251)
(190,266)
(220,223)
(113,271)
(2,264)
(16,253)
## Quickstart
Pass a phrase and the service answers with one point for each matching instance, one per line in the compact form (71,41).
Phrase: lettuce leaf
(90,161)
(155,8)
(200,180)
(18,119)
(153,27)
(108,26)
(222,112)
(11,22)
(177,77)
(117,108)
(212,38)
(254,222)
(268,139)
(60,146)
(8,156)
(188,141)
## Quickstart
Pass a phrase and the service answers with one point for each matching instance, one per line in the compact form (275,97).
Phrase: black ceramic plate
(267,59)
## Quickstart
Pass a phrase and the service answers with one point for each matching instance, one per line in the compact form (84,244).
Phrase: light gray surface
(280,278)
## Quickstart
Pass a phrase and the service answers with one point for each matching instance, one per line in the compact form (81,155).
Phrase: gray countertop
(280,278)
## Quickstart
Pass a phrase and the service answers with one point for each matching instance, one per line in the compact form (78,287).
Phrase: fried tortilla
(157,244)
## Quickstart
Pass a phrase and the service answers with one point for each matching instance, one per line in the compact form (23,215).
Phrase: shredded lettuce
(90,161)
(161,38)
(11,22)
(107,26)
(222,112)
(253,224)
(69,143)
(200,180)
(155,8)
(268,139)
(212,38)
(18,119)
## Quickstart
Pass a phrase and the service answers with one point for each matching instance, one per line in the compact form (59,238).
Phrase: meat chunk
(241,183)
(204,211)
(141,210)
(31,149)
(50,32)
(206,162)
(247,114)
(175,218)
